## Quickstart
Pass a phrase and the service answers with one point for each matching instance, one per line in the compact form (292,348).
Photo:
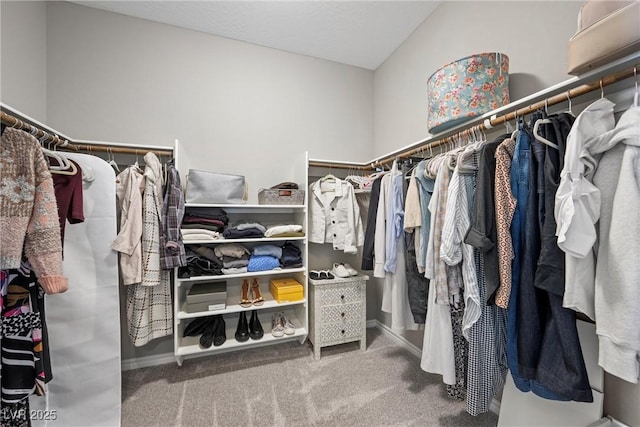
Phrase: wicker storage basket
(280,197)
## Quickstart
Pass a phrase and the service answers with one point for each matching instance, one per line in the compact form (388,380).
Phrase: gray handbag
(213,187)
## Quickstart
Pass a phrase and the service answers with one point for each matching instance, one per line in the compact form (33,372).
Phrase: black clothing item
(210,227)
(199,266)
(210,213)
(247,233)
(560,363)
(483,234)
(291,256)
(370,231)
(417,284)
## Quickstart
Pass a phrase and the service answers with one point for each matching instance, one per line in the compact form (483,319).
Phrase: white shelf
(241,275)
(267,215)
(248,208)
(234,307)
(191,345)
(256,240)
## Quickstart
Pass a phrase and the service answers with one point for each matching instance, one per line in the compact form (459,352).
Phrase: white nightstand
(337,312)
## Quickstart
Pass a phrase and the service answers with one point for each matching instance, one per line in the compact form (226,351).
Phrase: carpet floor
(282,385)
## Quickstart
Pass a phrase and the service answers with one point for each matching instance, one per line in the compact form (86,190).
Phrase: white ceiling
(359,33)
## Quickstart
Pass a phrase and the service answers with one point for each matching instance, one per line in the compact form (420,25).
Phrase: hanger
(112,161)
(635,95)
(64,167)
(570,111)
(328,178)
(601,90)
(516,132)
(539,137)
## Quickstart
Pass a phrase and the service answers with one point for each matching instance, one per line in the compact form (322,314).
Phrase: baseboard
(147,361)
(398,338)
(372,323)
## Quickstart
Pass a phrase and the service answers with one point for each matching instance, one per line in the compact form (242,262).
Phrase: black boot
(255,328)
(242,333)
(220,332)
(207,336)
(196,327)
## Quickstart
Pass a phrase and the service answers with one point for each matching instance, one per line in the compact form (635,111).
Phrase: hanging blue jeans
(519,181)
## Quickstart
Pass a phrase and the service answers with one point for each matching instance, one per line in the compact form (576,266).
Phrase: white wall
(533,34)
(236,107)
(23,64)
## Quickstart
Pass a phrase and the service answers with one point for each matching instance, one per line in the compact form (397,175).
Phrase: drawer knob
(342,297)
(342,314)
(343,331)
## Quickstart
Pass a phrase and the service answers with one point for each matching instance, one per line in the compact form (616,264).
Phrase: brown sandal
(244,296)
(255,291)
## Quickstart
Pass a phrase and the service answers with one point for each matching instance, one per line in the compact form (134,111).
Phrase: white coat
(334,216)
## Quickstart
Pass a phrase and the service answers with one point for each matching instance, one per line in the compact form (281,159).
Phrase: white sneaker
(277,330)
(287,326)
(340,271)
(352,271)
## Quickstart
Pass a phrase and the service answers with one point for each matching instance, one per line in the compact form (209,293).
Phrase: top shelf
(247,208)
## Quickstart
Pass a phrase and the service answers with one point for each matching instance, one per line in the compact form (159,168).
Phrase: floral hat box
(467,88)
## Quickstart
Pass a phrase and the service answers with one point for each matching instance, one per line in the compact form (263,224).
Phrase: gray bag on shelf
(214,187)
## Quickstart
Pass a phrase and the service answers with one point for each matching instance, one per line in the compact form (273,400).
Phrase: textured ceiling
(359,33)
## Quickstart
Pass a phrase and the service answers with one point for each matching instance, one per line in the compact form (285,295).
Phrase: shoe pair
(343,270)
(251,329)
(256,296)
(211,330)
(320,274)
(280,325)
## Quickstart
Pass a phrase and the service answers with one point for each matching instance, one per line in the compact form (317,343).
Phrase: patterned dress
(25,350)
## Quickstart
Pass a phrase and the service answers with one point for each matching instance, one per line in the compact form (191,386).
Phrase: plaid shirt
(172,253)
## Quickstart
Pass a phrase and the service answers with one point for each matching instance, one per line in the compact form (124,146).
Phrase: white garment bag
(84,322)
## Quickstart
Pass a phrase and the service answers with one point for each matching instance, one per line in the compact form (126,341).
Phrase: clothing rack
(46,135)
(597,79)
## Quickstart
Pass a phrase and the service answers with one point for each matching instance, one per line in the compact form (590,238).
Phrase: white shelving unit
(296,311)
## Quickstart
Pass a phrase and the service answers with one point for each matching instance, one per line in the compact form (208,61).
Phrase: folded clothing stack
(249,230)
(291,256)
(290,230)
(235,258)
(201,261)
(212,219)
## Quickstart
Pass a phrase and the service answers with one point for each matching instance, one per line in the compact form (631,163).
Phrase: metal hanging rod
(620,70)
(46,136)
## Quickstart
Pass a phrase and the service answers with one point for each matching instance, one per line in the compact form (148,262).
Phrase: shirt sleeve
(42,245)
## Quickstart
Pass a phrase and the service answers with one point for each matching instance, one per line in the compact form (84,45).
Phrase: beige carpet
(281,385)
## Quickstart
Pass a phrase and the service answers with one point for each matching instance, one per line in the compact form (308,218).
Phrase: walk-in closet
(327,213)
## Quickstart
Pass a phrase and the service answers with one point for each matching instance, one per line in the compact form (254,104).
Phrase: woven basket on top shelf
(274,196)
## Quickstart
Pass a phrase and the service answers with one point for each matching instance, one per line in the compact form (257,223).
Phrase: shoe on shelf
(277,330)
(209,331)
(255,328)
(242,333)
(196,327)
(244,294)
(340,271)
(352,271)
(326,274)
(220,332)
(256,295)
(287,326)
